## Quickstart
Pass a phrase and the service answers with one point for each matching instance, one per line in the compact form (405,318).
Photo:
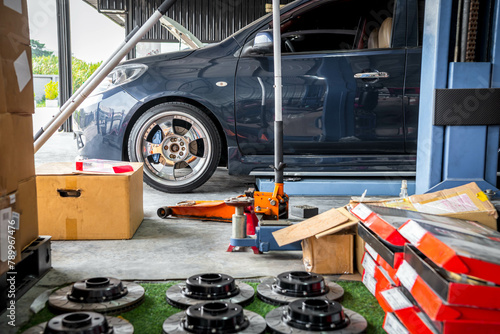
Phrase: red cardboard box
(436,308)
(378,224)
(375,277)
(471,250)
(475,293)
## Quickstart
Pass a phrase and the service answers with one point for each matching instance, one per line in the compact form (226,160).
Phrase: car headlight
(122,74)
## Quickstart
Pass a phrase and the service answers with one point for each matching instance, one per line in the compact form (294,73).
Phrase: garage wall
(210,21)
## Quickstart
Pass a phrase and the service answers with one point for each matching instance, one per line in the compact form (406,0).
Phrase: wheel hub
(209,287)
(300,284)
(215,317)
(96,290)
(97,294)
(83,323)
(175,148)
(315,315)
(292,285)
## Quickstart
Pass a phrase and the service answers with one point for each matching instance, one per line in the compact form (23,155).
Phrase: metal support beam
(449,156)
(437,28)
(64,45)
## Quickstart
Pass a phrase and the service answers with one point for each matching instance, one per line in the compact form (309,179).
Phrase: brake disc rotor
(207,287)
(305,316)
(83,323)
(292,285)
(215,317)
(98,294)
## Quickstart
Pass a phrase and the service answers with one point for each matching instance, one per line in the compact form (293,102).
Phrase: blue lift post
(449,156)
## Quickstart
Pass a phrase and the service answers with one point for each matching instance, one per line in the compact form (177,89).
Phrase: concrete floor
(160,249)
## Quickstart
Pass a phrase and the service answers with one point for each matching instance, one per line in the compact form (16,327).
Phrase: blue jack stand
(264,241)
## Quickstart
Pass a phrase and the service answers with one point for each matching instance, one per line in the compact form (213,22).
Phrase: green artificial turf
(150,315)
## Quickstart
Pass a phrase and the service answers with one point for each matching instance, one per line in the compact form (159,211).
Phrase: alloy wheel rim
(175,148)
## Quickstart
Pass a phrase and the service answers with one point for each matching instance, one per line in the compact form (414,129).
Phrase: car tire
(178,144)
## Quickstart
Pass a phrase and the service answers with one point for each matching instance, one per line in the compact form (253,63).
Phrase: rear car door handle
(371,75)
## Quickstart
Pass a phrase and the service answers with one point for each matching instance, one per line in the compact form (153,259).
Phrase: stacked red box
(386,255)
(375,277)
(451,268)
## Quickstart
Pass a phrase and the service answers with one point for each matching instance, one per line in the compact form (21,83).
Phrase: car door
(342,90)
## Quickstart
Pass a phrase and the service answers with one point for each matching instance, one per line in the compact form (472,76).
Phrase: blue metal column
(452,155)
(435,48)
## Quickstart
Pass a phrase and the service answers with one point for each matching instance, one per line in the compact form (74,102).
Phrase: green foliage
(52,90)
(150,315)
(38,49)
(45,65)
(80,70)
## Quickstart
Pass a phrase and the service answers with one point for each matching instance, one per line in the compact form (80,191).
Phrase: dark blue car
(351,76)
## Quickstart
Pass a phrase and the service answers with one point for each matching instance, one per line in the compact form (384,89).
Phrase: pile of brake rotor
(83,323)
(209,287)
(98,294)
(213,304)
(292,285)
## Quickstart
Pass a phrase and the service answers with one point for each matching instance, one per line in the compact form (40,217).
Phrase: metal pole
(278,112)
(77,99)
(64,46)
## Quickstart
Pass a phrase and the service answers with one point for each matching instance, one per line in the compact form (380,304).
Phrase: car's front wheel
(179,145)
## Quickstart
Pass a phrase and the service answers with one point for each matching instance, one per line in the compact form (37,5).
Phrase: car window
(339,25)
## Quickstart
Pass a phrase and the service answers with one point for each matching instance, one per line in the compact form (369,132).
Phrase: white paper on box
(16,217)
(23,72)
(371,251)
(393,326)
(362,211)
(369,264)
(370,282)
(396,299)
(12,199)
(412,232)
(5,218)
(16,5)
(407,275)
(459,203)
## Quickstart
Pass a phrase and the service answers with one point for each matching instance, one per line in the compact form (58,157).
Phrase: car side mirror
(262,44)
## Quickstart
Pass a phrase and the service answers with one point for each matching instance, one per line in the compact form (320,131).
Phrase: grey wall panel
(210,21)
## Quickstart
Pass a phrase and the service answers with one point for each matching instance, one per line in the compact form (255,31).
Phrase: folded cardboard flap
(309,227)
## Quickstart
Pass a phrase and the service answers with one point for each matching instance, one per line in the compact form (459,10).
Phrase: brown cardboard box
(332,254)
(17,78)
(15,56)
(3,103)
(26,207)
(16,151)
(88,206)
(14,21)
(464,202)
(18,222)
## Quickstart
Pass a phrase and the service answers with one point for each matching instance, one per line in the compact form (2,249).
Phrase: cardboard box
(15,58)
(467,292)
(434,306)
(332,254)
(18,223)
(26,207)
(89,206)
(465,202)
(14,21)
(16,150)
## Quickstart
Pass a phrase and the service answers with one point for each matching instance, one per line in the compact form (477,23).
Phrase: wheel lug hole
(181,143)
(181,154)
(183,148)
(172,156)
